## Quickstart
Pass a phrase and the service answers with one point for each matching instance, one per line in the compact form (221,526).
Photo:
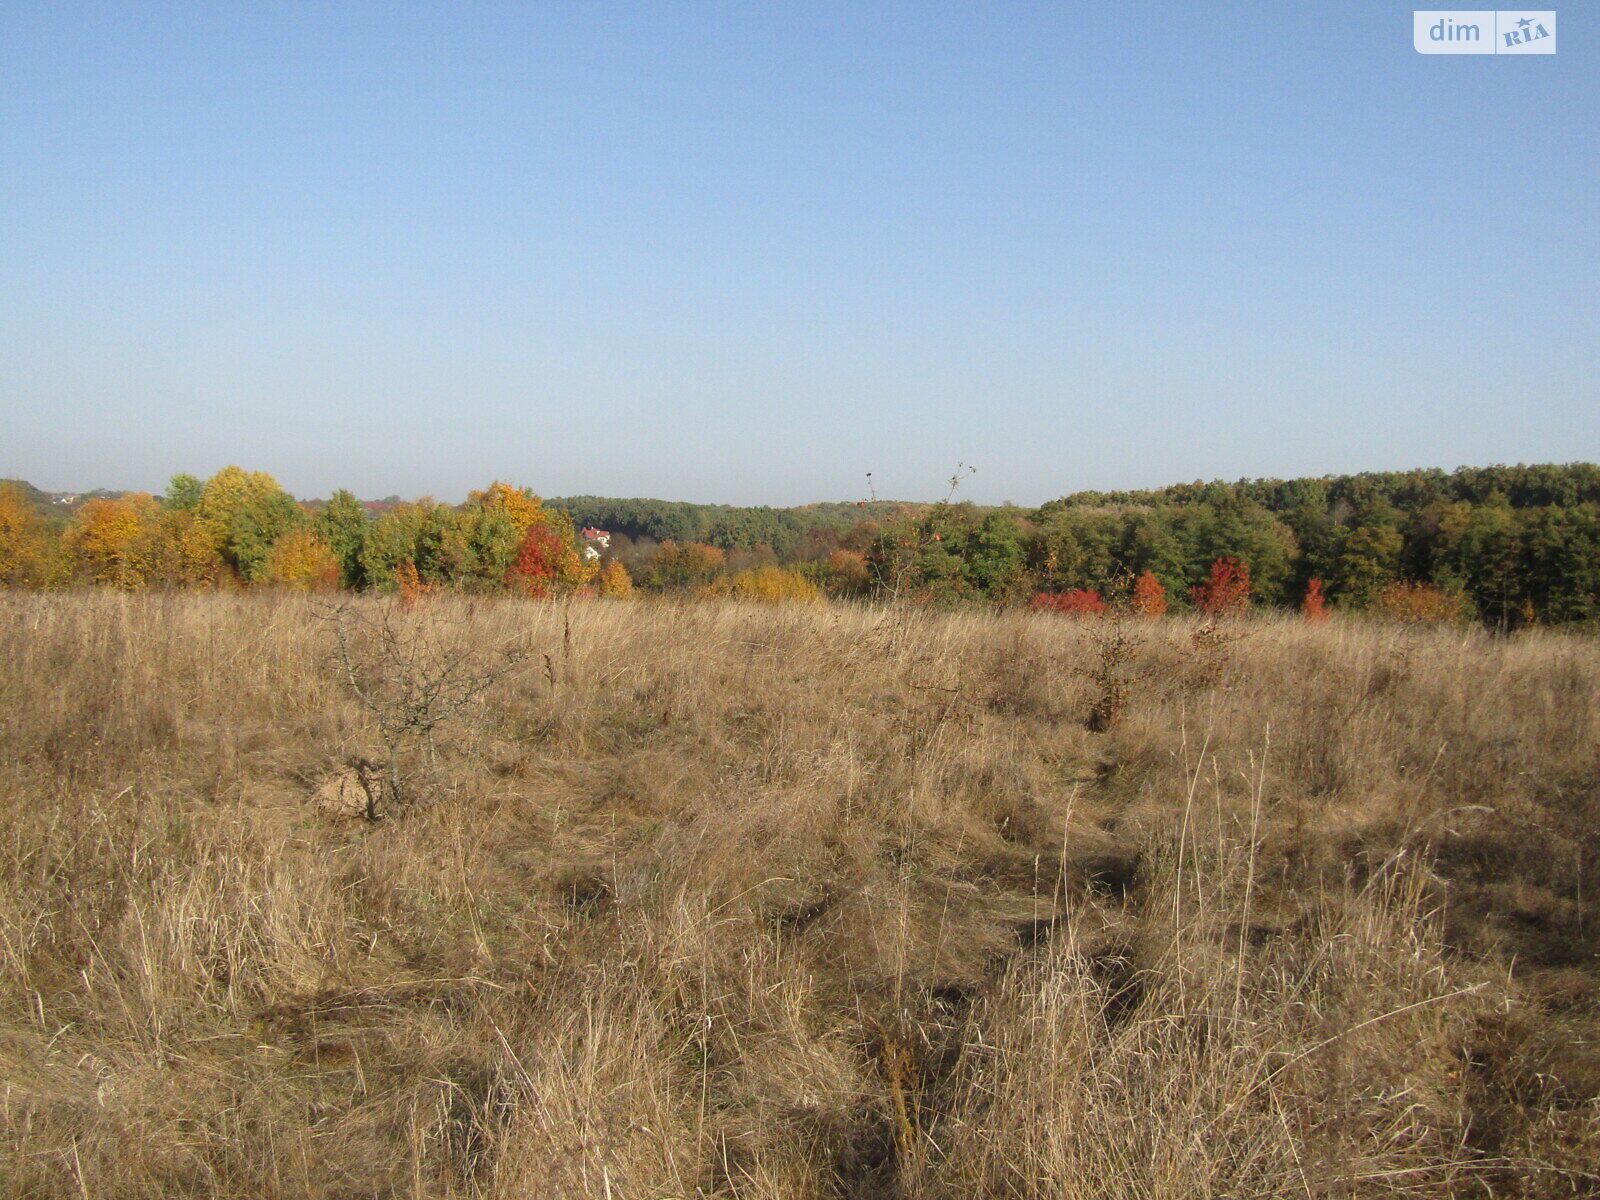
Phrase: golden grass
(791,903)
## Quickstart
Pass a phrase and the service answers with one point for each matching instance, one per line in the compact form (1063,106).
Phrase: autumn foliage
(1225,591)
(1420,603)
(27,557)
(413,590)
(521,506)
(1315,605)
(546,564)
(769,584)
(1511,546)
(686,564)
(134,542)
(302,560)
(1149,597)
(613,582)
(111,542)
(538,564)
(849,571)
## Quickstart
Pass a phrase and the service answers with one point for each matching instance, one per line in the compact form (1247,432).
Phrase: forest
(1508,546)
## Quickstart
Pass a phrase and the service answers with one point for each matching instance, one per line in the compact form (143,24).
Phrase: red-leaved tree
(1226,590)
(539,564)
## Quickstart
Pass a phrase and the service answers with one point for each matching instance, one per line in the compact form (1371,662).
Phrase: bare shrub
(413,675)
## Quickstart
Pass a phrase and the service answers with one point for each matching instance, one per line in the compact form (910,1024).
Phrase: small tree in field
(1226,590)
(1149,597)
(1315,605)
(414,673)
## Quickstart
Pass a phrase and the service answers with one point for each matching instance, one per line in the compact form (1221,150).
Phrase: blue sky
(748,252)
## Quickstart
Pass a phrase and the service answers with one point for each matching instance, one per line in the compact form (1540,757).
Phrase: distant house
(595,540)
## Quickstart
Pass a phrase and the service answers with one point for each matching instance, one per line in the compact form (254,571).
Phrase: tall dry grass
(781,903)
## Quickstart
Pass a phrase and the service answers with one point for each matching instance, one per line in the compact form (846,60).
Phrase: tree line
(1505,545)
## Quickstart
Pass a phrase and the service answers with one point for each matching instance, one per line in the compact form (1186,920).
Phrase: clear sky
(747,252)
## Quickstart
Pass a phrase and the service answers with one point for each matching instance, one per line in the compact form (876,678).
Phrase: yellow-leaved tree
(768,584)
(300,559)
(112,543)
(29,555)
(520,506)
(614,582)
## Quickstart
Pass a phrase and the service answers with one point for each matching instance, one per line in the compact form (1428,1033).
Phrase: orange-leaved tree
(847,572)
(1149,597)
(412,587)
(111,540)
(1315,605)
(1226,589)
(29,555)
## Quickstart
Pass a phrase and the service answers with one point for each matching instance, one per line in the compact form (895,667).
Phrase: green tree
(183,493)
(1150,542)
(1366,563)
(1075,548)
(344,525)
(245,512)
(417,533)
(1232,526)
(995,557)
(1560,568)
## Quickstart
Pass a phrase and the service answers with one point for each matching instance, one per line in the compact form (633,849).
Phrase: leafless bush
(413,673)
(1117,639)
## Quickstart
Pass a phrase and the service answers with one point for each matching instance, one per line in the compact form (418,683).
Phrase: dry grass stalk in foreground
(799,903)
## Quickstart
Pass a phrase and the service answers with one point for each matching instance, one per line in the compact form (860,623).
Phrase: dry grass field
(789,904)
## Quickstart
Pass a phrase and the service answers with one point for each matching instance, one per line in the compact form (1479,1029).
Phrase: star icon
(1525,22)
